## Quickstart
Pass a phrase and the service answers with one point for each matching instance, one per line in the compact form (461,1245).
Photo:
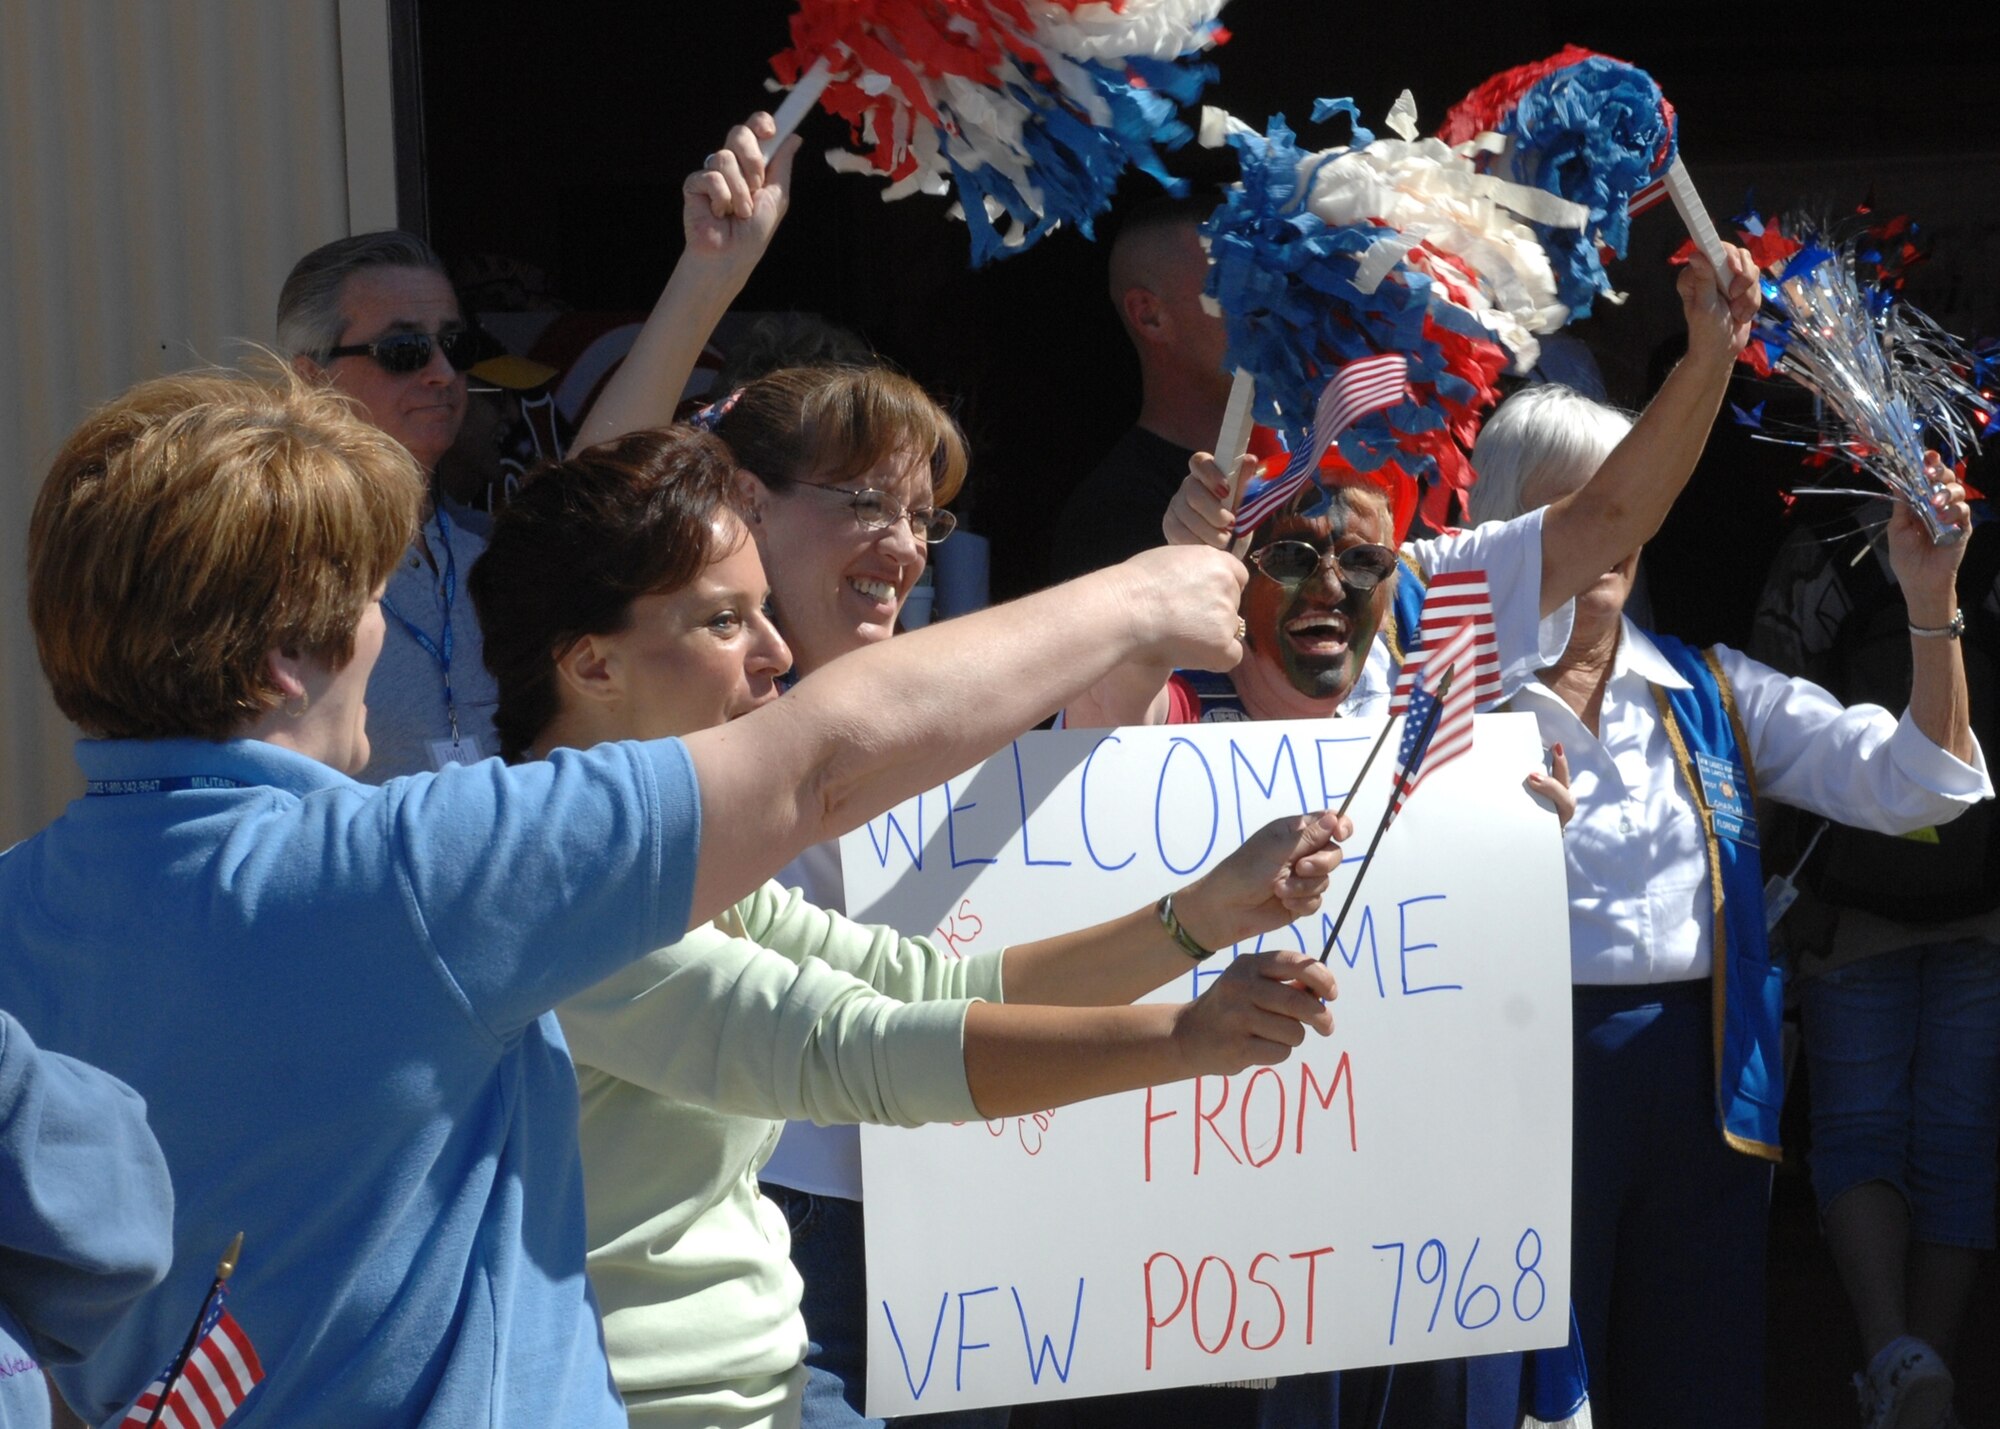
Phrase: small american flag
(1453,599)
(1437,723)
(218,1373)
(1361,387)
(1647,197)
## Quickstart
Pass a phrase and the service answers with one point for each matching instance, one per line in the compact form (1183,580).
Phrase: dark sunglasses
(875,510)
(1296,562)
(407,352)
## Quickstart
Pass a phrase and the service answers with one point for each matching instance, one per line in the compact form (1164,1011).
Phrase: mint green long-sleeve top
(689,1062)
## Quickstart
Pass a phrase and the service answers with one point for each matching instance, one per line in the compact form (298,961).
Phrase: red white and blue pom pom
(1889,380)
(1031,110)
(1586,127)
(1320,260)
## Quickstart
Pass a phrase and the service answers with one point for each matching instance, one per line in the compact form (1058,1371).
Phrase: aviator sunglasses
(407,352)
(1292,563)
(875,510)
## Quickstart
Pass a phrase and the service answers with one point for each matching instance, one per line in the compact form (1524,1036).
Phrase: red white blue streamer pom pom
(1588,128)
(1890,382)
(1389,245)
(1029,110)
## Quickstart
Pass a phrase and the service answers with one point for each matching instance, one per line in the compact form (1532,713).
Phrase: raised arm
(884,723)
(1928,574)
(730,207)
(1590,530)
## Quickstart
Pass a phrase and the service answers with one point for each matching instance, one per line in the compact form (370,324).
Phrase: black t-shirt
(1116,511)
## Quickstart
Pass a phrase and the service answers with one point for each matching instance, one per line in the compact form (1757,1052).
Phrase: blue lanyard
(170,784)
(439,649)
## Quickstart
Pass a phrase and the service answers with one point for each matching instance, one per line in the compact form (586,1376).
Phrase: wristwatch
(1180,935)
(1942,632)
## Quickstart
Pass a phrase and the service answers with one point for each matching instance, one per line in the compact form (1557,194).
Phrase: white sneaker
(1906,1386)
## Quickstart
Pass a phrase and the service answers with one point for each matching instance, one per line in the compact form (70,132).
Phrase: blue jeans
(1904,1053)
(1667,1259)
(828,1252)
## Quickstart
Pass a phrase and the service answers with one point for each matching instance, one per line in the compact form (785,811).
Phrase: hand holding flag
(1436,701)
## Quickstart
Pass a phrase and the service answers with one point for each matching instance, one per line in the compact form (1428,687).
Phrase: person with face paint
(1334,585)
(1328,569)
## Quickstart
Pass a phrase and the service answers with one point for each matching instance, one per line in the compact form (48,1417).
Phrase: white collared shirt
(1638,875)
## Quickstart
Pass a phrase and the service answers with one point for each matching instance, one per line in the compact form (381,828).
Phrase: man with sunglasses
(376,316)
(1333,592)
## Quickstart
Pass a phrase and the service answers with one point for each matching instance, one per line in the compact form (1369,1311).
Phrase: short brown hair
(831,424)
(580,542)
(197,523)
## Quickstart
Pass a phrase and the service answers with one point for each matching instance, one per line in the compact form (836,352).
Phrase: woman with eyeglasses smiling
(845,472)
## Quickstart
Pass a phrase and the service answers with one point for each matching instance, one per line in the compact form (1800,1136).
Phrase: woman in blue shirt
(336,998)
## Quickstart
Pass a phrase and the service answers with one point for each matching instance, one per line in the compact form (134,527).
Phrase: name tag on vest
(1725,791)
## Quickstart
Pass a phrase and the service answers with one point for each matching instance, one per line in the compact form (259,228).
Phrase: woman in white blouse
(1678,1081)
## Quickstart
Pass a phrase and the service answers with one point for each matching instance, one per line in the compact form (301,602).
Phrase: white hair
(1543,442)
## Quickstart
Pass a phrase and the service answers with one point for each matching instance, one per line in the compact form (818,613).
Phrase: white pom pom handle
(1680,188)
(805,94)
(1234,440)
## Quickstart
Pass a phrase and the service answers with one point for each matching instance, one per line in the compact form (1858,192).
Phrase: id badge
(445,752)
(1726,792)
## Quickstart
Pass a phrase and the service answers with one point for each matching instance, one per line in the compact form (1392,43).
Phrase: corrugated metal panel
(165,162)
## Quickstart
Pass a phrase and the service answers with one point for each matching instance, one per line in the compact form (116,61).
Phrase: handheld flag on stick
(214,1372)
(1453,599)
(1367,385)
(1441,703)
(1432,709)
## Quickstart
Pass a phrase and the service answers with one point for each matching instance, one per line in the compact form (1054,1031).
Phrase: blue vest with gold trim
(1749,988)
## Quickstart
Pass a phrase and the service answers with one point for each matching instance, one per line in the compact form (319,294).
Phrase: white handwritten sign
(1398,1191)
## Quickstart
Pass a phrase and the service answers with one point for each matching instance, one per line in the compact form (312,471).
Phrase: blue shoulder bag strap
(1709,747)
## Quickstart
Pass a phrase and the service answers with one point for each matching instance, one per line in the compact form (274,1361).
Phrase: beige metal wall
(162,163)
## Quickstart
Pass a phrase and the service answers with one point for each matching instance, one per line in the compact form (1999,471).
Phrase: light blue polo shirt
(86,1215)
(335,1000)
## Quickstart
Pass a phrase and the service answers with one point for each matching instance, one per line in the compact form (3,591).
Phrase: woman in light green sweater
(622,598)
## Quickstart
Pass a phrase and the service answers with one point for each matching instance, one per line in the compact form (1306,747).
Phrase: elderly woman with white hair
(1678,1074)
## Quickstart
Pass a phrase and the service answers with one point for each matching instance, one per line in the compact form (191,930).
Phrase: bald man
(1156,272)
